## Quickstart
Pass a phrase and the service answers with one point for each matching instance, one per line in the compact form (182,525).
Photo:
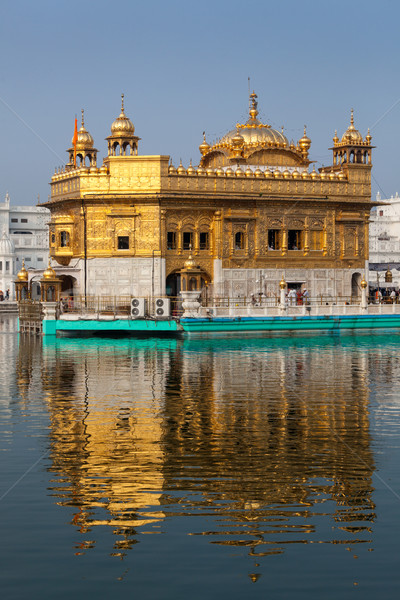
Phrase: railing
(117,306)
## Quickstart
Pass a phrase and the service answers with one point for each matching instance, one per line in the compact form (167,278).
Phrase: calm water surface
(257,468)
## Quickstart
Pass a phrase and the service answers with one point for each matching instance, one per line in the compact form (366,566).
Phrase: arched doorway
(355,284)
(68,286)
(173,288)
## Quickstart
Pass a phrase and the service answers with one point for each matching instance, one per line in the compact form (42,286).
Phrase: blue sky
(184,68)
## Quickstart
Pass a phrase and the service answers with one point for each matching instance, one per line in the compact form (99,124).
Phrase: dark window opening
(53,238)
(64,239)
(187,240)
(239,240)
(295,239)
(381,213)
(24,220)
(204,240)
(274,239)
(123,242)
(171,240)
(14,220)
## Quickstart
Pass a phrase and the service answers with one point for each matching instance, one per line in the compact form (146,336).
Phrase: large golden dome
(256,144)
(122,126)
(352,135)
(85,140)
(254,132)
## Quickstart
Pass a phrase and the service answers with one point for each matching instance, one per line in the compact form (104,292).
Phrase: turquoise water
(261,468)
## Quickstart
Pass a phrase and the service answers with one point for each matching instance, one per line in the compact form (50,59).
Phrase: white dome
(6,245)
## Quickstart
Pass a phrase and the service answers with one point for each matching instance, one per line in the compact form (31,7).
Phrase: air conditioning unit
(162,307)
(138,307)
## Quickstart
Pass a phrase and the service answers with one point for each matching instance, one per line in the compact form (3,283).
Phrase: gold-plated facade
(250,205)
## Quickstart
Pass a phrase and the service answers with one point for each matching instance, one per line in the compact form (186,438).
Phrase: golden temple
(251,210)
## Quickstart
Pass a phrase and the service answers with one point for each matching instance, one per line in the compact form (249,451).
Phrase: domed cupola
(352,147)
(82,152)
(352,135)
(7,248)
(122,141)
(256,144)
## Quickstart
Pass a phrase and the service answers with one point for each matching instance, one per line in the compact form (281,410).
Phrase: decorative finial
(122,102)
(352,117)
(253,112)
(83,122)
(204,136)
(305,130)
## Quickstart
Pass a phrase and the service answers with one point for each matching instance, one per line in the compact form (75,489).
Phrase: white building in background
(384,240)
(24,236)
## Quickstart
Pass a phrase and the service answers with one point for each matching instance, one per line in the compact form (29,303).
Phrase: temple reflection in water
(268,439)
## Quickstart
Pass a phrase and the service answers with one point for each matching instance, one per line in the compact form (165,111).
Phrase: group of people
(385,296)
(297,297)
(5,296)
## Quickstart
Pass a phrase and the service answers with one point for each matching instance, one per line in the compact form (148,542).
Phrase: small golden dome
(335,138)
(238,140)
(191,170)
(204,147)
(363,283)
(305,141)
(181,169)
(122,126)
(268,173)
(200,170)
(171,170)
(248,172)
(286,174)
(49,273)
(84,140)
(277,173)
(229,172)
(23,273)
(258,173)
(352,135)
(239,171)
(219,171)
(295,174)
(305,175)
(323,175)
(341,175)
(210,172)
(314,173)
(189,262)
(282,283)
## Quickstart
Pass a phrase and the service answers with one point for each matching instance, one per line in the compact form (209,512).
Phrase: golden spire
(253,112)
(352,117)
(83,122)
(122,105)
